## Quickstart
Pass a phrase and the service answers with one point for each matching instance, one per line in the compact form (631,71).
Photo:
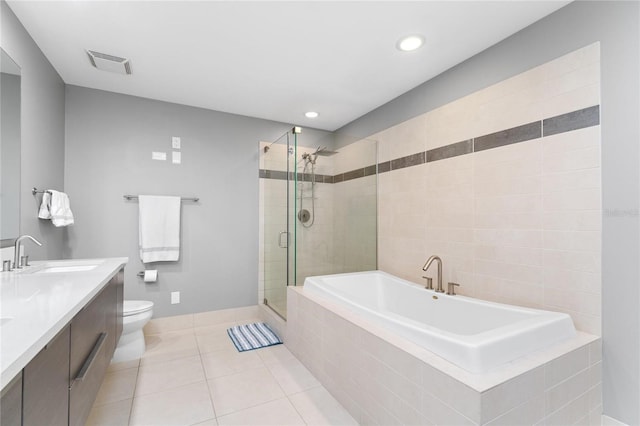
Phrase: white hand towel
(55,206)
(45,206)
(61,214)
(159,228)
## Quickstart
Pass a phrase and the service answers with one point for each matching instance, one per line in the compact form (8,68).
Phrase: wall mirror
(9,150)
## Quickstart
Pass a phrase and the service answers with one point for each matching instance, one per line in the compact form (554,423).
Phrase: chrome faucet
(426,266)
(16,251)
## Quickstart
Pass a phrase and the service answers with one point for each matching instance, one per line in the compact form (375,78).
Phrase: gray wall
(616,26)
(109,140)
(42,113)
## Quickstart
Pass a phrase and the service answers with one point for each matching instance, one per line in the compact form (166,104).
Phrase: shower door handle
(286,243)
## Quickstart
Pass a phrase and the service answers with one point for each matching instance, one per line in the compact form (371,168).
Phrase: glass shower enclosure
(318,211)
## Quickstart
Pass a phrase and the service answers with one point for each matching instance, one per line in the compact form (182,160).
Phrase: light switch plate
(175,142)
(175,297)
(176,157)
(161,156)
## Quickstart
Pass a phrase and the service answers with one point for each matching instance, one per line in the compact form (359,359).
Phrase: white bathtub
(473,334)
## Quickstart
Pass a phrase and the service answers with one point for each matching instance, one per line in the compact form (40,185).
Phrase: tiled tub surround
(381,378)
(505,186)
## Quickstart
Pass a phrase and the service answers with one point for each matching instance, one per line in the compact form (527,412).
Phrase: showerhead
(324,152)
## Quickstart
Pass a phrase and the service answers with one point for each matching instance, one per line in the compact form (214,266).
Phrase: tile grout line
(296,408)
(284,392)
(133,396)
(547,415)
(206,380)
(172,388)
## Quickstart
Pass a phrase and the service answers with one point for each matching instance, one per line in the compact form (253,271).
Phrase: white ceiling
(268,59)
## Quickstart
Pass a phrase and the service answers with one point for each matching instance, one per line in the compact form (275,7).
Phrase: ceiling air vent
(109,63)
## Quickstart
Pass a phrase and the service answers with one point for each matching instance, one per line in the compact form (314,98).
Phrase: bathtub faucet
(426,266)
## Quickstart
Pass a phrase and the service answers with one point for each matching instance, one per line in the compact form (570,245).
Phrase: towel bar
(35,191)
(135,197)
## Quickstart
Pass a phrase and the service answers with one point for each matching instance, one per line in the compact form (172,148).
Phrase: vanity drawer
(11,403)
(45,398)
(91,350)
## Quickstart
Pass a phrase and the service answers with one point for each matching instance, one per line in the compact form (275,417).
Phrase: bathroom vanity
(60,324)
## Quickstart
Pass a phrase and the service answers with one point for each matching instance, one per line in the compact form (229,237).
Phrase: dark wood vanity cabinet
(59,386)
(95,331)
(115,318)
(45,397)
(11,403)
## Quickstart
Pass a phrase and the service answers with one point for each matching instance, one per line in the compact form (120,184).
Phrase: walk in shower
(318,210)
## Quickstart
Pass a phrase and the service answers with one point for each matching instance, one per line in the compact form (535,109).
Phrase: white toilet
(131,345)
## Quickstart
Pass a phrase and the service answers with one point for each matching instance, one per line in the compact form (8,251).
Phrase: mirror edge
(14,67)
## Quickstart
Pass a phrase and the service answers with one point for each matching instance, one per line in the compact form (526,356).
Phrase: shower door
(278,199)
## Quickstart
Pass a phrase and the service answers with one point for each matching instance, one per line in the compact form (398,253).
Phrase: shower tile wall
(520,223)
(354,233)
(314,245)
(343,236)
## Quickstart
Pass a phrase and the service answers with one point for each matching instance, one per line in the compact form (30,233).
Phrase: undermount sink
(60,269)
(62,266)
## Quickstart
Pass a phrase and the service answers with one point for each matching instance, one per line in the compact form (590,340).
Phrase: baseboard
(610,421)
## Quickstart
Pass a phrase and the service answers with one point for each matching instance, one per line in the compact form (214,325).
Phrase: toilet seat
(133,307)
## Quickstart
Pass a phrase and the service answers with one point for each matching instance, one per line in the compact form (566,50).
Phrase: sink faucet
(426,266)
(16,251)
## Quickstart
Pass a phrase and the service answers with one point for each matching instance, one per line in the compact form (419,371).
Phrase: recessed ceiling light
(409,43)
(311,114)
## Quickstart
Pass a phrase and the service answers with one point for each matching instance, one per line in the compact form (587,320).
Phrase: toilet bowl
(136,313)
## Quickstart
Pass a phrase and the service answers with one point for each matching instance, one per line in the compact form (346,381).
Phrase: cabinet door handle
(92,356)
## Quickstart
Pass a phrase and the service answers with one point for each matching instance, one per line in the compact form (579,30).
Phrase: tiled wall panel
(508,193)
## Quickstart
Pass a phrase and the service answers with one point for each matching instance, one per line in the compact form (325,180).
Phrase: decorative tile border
(580,119)
(448,151)
(384,167)
(526,132)
(302,177)
(408,161)
(575,120)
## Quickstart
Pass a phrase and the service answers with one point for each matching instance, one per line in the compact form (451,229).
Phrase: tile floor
(195,376)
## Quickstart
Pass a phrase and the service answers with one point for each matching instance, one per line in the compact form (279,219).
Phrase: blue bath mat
(253,336)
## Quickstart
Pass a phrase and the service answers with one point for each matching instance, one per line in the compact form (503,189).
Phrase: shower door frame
(291,153)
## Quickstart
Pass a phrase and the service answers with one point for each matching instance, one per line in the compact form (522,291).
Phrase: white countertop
(34,306)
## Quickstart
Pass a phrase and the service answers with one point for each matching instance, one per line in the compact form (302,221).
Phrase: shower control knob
(304,215)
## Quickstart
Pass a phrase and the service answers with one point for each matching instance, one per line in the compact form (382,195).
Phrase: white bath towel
(159,225)
(56,206)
